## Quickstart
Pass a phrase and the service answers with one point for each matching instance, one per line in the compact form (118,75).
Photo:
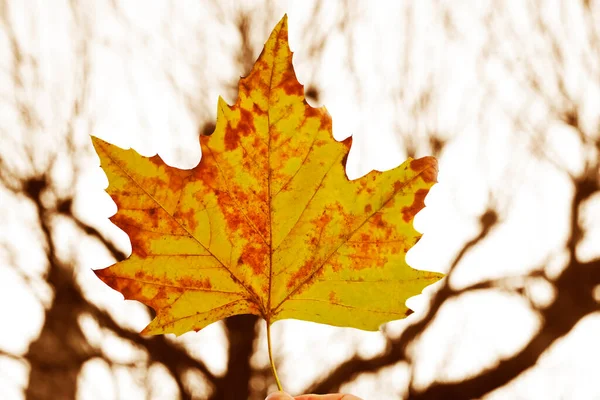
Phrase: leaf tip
(284,21)
(156,327)
(221,104)
(281,27)
(100,273)
(427,167)
(148,331)
(348,143)
(96,142)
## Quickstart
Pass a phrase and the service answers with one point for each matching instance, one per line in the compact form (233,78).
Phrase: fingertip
(279,396)
(331,396)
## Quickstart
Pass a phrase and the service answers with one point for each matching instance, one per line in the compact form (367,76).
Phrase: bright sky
(146,70)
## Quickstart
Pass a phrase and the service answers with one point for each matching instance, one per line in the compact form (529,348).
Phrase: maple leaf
(267,223)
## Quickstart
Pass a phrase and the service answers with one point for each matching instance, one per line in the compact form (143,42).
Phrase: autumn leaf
(267,223)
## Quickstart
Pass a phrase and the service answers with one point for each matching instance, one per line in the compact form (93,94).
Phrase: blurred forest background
(505,93)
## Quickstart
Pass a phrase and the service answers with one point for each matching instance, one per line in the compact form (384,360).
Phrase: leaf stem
(271,357)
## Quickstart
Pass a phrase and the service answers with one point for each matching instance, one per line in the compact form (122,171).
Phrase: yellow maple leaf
(267,223)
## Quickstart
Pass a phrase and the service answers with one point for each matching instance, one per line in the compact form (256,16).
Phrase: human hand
(332,396)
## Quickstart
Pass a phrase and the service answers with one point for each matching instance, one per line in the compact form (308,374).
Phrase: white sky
(134,104)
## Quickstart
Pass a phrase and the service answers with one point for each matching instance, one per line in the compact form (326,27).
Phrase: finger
(279,396)
(333,396)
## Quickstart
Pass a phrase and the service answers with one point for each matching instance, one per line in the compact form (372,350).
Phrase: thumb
(279,396)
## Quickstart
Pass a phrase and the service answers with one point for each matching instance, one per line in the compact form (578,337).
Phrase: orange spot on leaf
(323,220)
(257,110)
(255,257)
(409,212)
(428,167)
(246,124)
(156,160)
(377,219)
(232,138)
(310,112)
(346,142)
(333,297)
(290,84)
(326,124)
(192,282)
(188,217)
(244,127)
(300,275)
